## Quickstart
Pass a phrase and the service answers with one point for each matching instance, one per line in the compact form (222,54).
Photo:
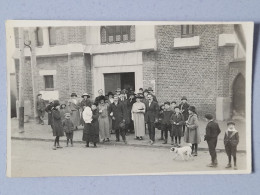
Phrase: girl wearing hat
(57,124)
(74,108)
(63,110)
(103,119)
(138,111)
(192,135)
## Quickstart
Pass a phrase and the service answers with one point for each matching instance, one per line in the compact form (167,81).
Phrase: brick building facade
(202,62)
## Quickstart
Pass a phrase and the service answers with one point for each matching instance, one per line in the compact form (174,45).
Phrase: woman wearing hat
(103,119)
(74,108)
(192,135)
(110,101)
(138,111)
(57,124)
(48,109)
(84,102)
(129,104)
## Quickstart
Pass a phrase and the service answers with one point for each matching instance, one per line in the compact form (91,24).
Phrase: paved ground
(36,158)
(43,132)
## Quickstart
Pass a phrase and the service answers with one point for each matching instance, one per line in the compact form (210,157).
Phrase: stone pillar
(223,108)
(45,35)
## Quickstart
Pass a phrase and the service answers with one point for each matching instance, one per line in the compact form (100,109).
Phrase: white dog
(183,151)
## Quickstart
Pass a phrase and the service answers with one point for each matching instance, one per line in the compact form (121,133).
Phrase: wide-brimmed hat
(168,103)
(192,109)
(85,94)
(118,90)
(73,94)
(209,116)
(56,103)
(231,123)
(184,98)
(174,102)
(139,96)
(110,93)
(150,89)
(176,107)
(63,103)
(39,94)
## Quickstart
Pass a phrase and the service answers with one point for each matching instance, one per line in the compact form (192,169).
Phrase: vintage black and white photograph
(128,98)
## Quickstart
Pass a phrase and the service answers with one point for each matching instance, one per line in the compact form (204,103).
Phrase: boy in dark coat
(184,107)
(68,127)
(166,123)
(177,121)
(212,132)
(231,140)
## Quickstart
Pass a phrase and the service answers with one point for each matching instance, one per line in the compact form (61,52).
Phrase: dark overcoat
(212,130)
(48,109)
(119,113)
(178,119)
(40,104)
(57,123)
(184,107)
(91,130)
(231,138)
(151,112)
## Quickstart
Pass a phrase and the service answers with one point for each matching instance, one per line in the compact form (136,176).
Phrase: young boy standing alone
(231,140)
(212,132)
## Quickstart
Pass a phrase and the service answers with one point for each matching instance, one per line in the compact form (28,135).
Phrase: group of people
(126,111)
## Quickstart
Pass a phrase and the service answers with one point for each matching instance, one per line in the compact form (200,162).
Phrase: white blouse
(87,115)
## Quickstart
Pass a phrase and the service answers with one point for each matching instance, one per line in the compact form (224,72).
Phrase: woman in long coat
(138,111)
(74,108)
(177,121)
(57,125)
(84,102)
(192,135)
(103,119)
(91,127)
(48,109)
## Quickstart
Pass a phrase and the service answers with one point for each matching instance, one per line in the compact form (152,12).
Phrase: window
(113,34)
(39,37)
(49,84)
(187,30)
(52,35)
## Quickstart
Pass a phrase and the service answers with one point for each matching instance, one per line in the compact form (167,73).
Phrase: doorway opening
(238,98)
(119,80)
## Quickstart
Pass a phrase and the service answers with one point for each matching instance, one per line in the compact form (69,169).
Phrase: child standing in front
(231,140)
(68,127)
(177,121)
(166,121)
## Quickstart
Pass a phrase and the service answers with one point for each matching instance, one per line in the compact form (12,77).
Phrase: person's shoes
(228,166)
(59,147)
(212,165)
(235,167)
(107,140)
(140,138)
(136,138)
(152,142)
(172,143)
(195,154)
(54,148)
(165,142)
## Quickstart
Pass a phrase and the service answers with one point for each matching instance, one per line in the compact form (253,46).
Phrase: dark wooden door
(112,82)
(239,95)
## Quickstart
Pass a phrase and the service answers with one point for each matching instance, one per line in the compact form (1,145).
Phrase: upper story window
(52,35)
(39,37)
(187,30)
(49,83)
(114,34)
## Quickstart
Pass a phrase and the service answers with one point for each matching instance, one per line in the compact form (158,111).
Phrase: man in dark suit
(150,91)
(118,114)
(212,132)
(151,116)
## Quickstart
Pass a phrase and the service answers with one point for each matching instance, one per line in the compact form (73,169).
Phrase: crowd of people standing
(126,112)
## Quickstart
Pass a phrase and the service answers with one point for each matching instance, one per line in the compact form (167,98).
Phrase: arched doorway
(238,98)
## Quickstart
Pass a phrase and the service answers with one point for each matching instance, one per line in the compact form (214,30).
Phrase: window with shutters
(49,84)
(52,35)
(187,30)
(39,37)
(117,34)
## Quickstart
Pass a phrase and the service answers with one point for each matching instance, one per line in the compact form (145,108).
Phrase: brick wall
(66,35)
(149,69)
(192,72)
(89,77)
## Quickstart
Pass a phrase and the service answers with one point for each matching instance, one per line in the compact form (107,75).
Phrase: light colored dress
(103,120)
(138,111)
(74,108)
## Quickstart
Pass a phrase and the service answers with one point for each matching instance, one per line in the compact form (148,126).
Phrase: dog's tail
(189,144)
